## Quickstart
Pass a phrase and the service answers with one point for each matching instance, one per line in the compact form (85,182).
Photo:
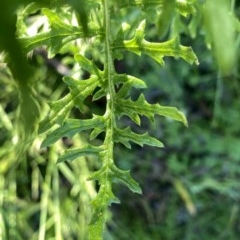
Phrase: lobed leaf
(157,51)
(79,91)
(143,108)
(112,173)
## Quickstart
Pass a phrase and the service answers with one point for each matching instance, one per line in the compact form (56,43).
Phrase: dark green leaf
(142,107)
(70,128)
(125,135)
(72,154)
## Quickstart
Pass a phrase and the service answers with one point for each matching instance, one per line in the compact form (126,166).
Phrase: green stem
(56,202)
(109,73)
(46,189)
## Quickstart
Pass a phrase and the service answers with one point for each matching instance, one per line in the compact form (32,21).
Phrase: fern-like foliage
(107,83)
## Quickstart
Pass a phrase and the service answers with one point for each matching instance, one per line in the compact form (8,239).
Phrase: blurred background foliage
(190,188)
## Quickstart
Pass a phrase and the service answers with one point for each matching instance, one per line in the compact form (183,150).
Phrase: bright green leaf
(157,51)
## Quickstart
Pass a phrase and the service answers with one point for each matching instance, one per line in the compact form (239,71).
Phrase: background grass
(190,188)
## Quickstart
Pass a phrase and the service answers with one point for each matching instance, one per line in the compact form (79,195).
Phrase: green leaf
(96,131)
(143,108)
(96,228)
(72,154)
(79,91)
(157,51)
(112,173)
(134,81)
(128,82)
(123,176)
(70,128)
(88,65)
(58,113)
(59,34)
(185,8)
(104,198)
(125,135)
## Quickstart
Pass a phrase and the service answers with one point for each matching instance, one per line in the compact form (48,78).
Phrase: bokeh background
(191,188)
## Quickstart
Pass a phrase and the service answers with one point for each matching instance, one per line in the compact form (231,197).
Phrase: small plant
(100,33)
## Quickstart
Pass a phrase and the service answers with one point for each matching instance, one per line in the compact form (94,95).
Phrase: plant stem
(109,73)
(46,189)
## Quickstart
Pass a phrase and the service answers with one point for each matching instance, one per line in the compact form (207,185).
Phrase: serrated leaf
(81,89)
(125,177)
(157,51)
(125,135)
(70,128)
(143,108)
(59,34)
(111,172)
(72,154)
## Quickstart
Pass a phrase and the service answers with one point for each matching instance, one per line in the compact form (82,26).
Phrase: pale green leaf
(72,154)
(157,51)
(125,135)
